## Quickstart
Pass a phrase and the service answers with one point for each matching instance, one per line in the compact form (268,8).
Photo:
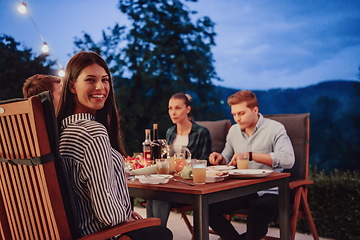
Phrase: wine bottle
(155,147)
(146,145)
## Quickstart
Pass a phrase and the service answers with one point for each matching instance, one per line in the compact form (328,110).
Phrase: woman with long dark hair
(92,151)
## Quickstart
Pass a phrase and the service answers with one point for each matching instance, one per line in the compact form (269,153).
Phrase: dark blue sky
(261,44)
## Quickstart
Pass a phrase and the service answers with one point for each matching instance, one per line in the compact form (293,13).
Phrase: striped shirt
(96,173)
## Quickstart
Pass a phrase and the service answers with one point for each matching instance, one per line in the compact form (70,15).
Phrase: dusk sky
(261,44)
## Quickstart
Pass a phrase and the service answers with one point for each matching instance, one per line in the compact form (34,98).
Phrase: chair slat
(26,186)
(6,139)
(8,195)
(17,142)
(29,136)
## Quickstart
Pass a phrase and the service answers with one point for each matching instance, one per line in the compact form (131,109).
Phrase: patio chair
(298,129)
(35,201)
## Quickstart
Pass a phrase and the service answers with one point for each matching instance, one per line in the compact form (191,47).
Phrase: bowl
(152,179)
(145,170)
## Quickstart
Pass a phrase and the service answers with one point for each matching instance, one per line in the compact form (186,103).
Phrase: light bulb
(45,48)
(61,73)
(22,8)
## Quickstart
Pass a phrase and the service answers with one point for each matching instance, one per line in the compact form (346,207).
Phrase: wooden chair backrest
(31,205)
(218,132)
(298,129)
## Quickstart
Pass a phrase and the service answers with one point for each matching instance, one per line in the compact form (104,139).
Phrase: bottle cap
(155,126)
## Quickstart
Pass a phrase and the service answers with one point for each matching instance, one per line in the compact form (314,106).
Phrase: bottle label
(147,155)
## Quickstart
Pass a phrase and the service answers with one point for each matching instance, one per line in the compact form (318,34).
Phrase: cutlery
(177,180)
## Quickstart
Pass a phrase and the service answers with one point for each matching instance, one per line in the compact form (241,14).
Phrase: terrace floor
(180,231)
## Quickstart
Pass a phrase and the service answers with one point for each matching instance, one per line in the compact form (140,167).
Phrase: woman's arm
(99,171)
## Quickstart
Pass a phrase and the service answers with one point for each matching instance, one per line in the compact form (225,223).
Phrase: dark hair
(108,115)
(244,96)
(187,101)
(39,83)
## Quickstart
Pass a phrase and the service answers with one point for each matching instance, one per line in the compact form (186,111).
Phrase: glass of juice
(163,166)
(243,162)
(199,171)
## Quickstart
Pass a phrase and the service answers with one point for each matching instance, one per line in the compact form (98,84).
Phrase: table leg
(284,209)
(201,217)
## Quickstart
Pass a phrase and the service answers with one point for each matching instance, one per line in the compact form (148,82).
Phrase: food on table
(186,172)
(216,173)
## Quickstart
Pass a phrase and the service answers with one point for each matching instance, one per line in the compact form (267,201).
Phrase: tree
(16,65)
(163,53)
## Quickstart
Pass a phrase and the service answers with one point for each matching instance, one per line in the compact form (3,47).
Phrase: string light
(61,72)
(45,47)
(22,8)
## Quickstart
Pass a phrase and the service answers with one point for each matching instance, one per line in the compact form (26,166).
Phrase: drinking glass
(199,171)
(163,166)
(243,161)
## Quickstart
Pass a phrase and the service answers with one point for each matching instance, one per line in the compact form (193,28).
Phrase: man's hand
(216,158)
(237,156)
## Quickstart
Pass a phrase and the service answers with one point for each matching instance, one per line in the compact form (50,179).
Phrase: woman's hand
(134,216)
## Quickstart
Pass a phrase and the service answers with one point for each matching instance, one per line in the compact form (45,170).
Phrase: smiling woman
(92,151)
(91,88)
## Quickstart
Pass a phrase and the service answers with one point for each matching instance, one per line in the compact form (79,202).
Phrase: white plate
(164,176)
(220,167)
(145,170)
(153,179)
(212,179)
(249,173)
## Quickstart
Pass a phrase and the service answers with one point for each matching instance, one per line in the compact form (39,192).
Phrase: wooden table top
(228,183)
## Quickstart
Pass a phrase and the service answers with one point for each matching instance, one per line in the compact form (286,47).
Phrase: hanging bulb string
(45,47)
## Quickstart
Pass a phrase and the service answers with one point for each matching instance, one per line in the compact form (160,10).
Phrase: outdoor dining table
(200,196)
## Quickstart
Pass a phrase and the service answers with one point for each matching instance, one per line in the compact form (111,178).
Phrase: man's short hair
(243,96)
(39,83)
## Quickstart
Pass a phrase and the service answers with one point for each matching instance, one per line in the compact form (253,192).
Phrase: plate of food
(220,167)
(249,173)
(216,176)
(153,179)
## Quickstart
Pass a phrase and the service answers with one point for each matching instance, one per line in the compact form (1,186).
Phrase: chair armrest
(122,228)
(298,183)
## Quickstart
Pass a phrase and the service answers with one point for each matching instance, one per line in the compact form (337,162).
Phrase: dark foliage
(334,200)
(161,53)
(17,64)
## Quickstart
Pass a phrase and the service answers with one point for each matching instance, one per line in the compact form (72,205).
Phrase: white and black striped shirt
(96,172)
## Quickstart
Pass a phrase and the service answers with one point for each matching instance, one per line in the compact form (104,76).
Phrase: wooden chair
(218,132)
(298,129)
(34,200)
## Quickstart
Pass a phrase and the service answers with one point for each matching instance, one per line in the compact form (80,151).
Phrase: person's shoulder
(199,128)
(171,129)
(86,126)
(272,125)
(234,127)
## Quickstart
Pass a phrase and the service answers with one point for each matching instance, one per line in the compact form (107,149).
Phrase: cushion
(218,131)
